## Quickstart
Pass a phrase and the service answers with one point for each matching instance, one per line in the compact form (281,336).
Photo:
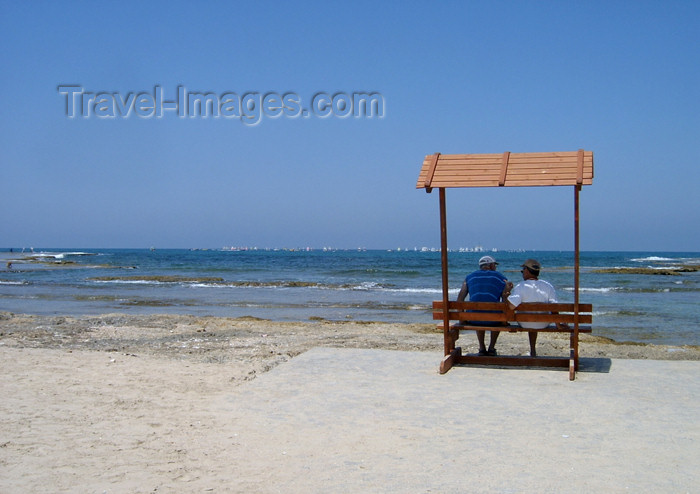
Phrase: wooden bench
(500,313)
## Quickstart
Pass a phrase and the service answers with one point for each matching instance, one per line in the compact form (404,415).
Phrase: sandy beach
(120,403)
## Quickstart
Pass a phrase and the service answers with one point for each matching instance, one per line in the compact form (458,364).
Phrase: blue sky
(619,78)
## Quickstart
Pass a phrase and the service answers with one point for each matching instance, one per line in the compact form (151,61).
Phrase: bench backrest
(525,312)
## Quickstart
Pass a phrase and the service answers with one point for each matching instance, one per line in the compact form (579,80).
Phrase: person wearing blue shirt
(485,285)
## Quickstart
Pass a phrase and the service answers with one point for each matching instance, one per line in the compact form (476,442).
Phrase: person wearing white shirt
(532,289)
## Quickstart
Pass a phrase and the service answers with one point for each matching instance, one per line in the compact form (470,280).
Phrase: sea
(396,285)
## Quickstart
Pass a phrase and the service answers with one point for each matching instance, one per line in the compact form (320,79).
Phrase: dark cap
(532,265)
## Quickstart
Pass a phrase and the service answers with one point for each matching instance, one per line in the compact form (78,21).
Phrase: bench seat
(515,328)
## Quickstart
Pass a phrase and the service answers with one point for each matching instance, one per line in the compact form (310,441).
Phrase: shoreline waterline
(645,297)
(267,343)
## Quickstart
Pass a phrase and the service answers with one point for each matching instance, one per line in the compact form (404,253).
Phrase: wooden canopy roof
(506,169)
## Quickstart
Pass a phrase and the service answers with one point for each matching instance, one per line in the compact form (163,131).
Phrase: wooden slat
(520,169)
(533,168)
(562,307)
(517,317)
(543,175)
(497,157)
(472,316)
(530,306)
(438,304)
(553,318)
(472,156)
(473,183)
(517,329)
(541,183)
(431,169)
(536,155)
(513,173)
(514,361)
(579,167)
(527,182)
(469,168)
(504,169)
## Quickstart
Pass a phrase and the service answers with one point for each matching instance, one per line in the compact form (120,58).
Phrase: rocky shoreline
(254,345)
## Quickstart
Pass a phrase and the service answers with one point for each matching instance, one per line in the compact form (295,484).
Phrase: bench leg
(449,360)
(572,365)
(454,335)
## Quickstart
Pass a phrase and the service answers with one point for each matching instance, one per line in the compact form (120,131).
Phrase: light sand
(151,404)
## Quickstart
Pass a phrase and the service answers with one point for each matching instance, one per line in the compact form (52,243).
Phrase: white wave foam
(431,291)
(605,289)
(57,255)
(131,282)
(415,290)
(653,259)
(367,285)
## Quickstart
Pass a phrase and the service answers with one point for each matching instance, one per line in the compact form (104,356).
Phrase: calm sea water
(341,285)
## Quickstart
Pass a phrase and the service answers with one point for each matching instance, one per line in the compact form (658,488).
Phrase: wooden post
(449,344)
(577,264)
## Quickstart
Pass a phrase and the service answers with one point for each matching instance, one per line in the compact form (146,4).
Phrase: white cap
(487,260)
